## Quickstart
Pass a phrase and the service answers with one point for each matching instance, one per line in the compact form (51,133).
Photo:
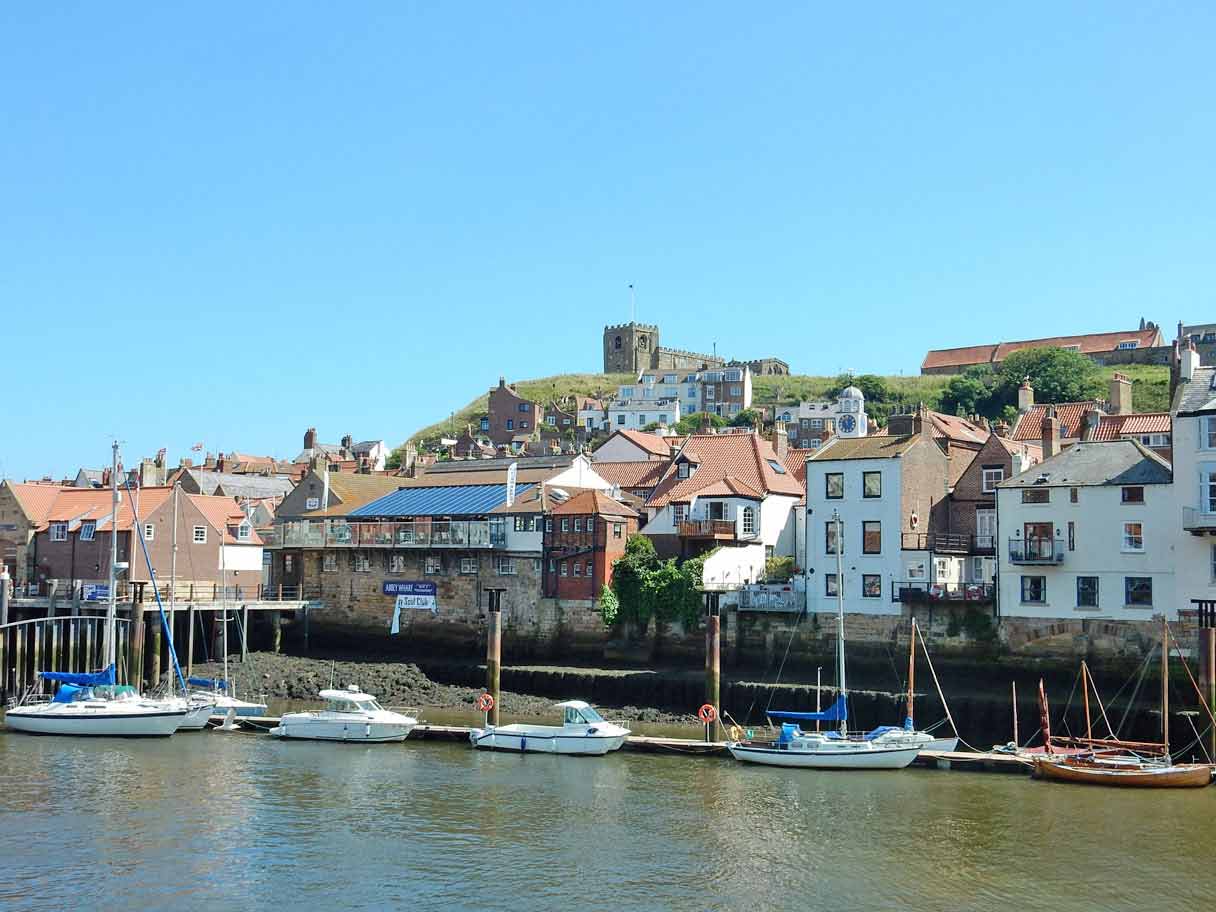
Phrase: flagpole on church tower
(633,305)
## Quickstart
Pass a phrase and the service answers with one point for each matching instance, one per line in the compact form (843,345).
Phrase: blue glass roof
(454,500)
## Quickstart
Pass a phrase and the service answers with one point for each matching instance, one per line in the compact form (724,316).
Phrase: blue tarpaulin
(82,679)
(210,683)
(67,693)
(837,712)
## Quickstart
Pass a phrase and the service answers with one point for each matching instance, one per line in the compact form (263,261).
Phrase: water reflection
(221,821)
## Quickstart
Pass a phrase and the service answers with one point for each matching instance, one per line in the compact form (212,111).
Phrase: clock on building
(847,424)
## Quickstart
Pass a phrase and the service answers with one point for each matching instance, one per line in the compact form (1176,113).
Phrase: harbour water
(213,821)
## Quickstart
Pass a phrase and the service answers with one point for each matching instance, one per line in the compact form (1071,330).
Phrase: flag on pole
(197,448)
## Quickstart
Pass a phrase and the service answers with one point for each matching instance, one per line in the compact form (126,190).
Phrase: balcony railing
(708,528)
(1036,551)
(939,542)
(406,534)
(1194,520)
(916,592)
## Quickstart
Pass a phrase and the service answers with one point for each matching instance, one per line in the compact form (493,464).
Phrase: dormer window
(243,531)
(684,470)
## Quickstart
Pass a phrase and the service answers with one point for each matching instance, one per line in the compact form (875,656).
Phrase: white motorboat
(583,732)
(349,715)
(91,705)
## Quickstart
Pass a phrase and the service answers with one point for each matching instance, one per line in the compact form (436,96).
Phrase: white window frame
(990,478)
(578,568)
(244,532)
(433,565)
(505,566)
(578,524)
(679,513)
(396,563)
(59,532)
(1207,492)
(1132,543)
(468,565)
(89,526)
(198,535)
(329,562)
(149,532)
(747,521)
(362,562)
(1207,439)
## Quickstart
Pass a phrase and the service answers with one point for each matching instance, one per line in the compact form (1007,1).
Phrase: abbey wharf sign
(418,595)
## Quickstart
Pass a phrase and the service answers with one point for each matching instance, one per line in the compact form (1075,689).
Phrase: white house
(1194,442)
(1089,533)
(808,424)
(633,446)
(724,391)
(884,489)
(727,491)
(635,414)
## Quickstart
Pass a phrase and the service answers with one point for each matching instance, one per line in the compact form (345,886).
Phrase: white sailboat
(220,693)
(349,715)
(90,704)
(886,747)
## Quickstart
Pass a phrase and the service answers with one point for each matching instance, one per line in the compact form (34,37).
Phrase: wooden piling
(86,657)
(190,634)
(73,633)
(38,626)
(494,656)
(154,638)
(276,631)
(19,660)
(306,628)
(713,670)
(244,633)
(56,657)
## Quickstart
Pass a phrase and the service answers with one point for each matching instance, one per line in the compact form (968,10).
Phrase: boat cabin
(576,712)
(349,700)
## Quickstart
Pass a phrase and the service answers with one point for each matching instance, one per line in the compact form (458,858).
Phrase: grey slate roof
(255,486)
(1108,462)
(1196,395)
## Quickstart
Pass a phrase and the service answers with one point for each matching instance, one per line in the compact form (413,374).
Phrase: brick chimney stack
(1089,424)
(1188,361)
(1120,394)
(1050,427)
(219,462)
(781,440)
(310,439)
(1001,429)
(1025,396)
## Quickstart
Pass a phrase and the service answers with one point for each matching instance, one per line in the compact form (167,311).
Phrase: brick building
(582,539)
(1101,347)
(511,417)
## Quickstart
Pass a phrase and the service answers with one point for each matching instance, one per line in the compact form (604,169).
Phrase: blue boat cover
(213,683)
(881,730)
(82,679)
(67,693)
(837,712)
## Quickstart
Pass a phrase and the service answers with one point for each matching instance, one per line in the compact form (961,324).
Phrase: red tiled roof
(948,427)
(745,457)
(593,502)
(1113,427)
(35,500)
(1029,425)
(795,464)
(220,512)
(730,486)
(1089,343)
(651,443)
(95,504)
(630,474)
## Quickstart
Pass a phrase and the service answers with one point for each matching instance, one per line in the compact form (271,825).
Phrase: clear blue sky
(228,222)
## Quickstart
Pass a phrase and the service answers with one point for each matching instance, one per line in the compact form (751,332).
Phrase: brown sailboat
(1112,762)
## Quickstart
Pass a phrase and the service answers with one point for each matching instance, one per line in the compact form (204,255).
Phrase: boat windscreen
(591,715)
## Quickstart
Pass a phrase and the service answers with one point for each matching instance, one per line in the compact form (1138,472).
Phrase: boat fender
(735,733)
(367,730)
(523,743)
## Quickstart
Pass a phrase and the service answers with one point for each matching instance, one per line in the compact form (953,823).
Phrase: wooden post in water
(276,631)
(1089,729)
(19,659)
(494,653)
(1211,652)
(306,628)
(154,638)
(1014,686)
(86,655)
(713,664)
(38,627)
(1165,685)
(54,645)
(190,634)
(245,633)
(73,633)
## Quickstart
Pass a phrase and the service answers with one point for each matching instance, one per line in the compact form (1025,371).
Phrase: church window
(616,343)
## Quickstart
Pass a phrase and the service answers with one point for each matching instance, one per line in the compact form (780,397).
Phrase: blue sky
(233,221)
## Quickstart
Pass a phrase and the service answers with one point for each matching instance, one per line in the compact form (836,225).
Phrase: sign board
(418,595)
(95,592)
(512,474)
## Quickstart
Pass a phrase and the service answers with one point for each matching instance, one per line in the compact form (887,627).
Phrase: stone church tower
(630,348)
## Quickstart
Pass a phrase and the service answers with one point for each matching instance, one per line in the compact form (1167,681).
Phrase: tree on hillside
(971,392)
(872,386)
(746,418)
(690,424)
(1057,375)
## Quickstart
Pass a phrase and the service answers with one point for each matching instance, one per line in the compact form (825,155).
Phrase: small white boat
(214,692)
(102,710)
(583,732)
(349,715)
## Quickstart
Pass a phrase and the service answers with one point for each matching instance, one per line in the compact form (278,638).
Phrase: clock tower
(851,420)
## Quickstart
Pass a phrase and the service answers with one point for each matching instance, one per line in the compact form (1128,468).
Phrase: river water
(214,821)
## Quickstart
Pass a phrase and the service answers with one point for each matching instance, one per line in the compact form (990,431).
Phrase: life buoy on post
(485,702)
(707,714)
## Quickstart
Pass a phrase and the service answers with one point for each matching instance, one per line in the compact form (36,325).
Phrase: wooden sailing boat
(1111,762)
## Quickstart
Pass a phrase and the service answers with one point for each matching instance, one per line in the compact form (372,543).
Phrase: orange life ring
(485,702)
(707,714)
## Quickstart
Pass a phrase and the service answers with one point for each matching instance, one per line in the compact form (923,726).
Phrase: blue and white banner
(411,595)
(95,592)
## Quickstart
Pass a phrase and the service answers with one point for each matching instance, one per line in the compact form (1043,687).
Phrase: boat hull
(573,745)
(196,718)
(38,720)
(1186,775)
(364,734)
(942,745)
(861,758)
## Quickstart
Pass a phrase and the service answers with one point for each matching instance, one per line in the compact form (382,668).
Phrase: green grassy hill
(1150,393)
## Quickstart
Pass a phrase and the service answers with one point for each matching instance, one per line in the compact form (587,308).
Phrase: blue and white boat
(91,704)
(583,732)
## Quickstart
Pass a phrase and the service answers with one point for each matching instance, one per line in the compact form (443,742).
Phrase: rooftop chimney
(310,439)
(1120,394)
(348,442)
(1001,428)
(1050,427)
(1089,423)
(901,425)
(1025,396)
(220,462)
(781,440)
(1188,361)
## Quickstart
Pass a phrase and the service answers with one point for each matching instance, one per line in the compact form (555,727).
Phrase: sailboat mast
(112,607)
(173,582)
(1014,686)
(1089,730)
(911,672)
(1165,685)
(840,619)
(224,608)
